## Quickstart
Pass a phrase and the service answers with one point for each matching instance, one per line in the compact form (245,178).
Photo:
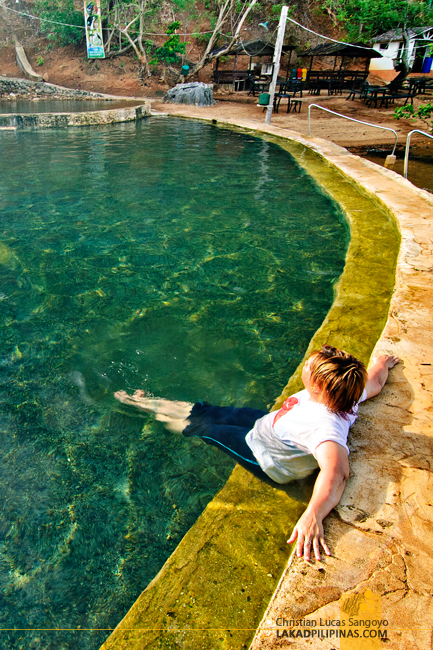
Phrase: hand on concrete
(309,533)
(386,360)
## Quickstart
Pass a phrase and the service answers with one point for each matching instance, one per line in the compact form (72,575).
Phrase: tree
(229,11)
(188,13)
(170,50)
(62,11)
(126,21)
(364,19)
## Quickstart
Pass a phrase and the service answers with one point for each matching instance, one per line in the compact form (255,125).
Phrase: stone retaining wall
(13,89)
(59,120)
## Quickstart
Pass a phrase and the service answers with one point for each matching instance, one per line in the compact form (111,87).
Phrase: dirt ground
(69,66)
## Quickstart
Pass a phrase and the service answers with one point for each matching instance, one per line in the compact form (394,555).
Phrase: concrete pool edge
(63,120)
(231,502)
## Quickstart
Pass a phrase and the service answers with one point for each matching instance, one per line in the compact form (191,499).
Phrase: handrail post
(406,151)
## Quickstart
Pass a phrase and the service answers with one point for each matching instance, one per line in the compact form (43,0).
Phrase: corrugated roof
(253,48)
(397,34)
(338,49)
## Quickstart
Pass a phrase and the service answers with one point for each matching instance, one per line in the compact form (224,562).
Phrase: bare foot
(174,410)
(139,400)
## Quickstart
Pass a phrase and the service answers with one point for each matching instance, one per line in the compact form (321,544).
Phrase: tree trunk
(224,14)
(405,58)
(140,52)
(403,67)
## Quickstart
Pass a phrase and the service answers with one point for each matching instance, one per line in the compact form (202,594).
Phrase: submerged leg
(174,425)
(173,410)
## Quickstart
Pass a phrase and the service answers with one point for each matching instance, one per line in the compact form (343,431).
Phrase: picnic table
(260,84)
(383,94)
(334,81)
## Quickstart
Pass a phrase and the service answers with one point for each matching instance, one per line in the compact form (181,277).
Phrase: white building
(391,46)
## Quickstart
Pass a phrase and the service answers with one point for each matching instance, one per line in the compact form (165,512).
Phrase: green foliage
(172,28)
(424,113)
(365,19)
(169,51)
(148,45)
(202,38)
(39,60)
(186,6)
(62,11)
(205,38)
(276,9)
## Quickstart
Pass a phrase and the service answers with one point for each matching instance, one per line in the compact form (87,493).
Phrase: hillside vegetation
(158,37)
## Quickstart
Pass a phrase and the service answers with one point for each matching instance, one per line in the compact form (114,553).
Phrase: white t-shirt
(285,441)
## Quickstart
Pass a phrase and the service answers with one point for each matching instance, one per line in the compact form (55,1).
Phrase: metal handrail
(406,151)
(352,119)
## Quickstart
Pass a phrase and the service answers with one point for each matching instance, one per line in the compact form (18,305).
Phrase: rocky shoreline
(12,89)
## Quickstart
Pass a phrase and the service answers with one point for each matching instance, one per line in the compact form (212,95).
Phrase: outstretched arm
(329,486)
(378,373)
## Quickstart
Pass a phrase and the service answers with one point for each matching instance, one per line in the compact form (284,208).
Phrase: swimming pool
(193,261)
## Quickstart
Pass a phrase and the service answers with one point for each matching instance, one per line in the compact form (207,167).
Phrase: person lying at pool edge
(308,432)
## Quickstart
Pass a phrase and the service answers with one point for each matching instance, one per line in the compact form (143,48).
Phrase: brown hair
(340,376)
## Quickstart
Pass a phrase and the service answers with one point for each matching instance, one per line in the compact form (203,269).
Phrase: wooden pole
(277,57)
(234,72)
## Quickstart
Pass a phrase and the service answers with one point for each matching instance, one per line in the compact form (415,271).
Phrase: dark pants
(226,427)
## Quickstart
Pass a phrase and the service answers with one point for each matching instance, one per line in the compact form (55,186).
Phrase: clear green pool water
(192,261)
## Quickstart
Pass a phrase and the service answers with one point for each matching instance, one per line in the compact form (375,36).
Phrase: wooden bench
(388,97)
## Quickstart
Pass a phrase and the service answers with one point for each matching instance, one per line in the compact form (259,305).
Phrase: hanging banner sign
(92,19)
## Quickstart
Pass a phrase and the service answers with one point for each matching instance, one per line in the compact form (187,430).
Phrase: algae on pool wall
(199,600)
